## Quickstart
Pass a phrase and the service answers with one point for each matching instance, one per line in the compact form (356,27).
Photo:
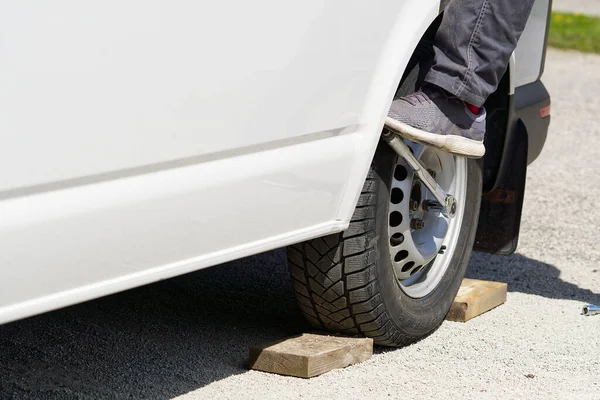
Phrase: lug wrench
(446,203)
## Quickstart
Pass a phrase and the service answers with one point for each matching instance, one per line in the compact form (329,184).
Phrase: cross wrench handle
(447,201)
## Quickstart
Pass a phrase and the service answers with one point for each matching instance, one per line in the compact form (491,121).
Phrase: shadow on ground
(175,336)
(158,341)
(526,275)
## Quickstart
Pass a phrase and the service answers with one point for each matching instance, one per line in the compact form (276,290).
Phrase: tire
(361,281)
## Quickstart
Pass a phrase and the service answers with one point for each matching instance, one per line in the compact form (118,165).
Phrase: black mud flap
(500,214)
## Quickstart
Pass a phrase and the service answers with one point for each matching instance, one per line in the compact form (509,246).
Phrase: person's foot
(434,117)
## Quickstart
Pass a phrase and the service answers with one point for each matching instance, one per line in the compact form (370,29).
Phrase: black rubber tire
(344,282)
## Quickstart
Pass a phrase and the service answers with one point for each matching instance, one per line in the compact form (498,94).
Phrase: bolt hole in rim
(397,196)
(396,239)
(415,253)
(395,219)
(401,255)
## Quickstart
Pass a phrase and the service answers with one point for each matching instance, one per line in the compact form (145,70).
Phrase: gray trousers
(473,46)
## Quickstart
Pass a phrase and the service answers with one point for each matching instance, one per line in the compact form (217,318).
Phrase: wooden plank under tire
(310,354)
(476,297)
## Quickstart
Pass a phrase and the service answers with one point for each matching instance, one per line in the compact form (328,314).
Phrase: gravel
(589,7)
(189,336)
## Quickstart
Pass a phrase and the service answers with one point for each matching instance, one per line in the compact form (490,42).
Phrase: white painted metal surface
(530,50)
(145,139)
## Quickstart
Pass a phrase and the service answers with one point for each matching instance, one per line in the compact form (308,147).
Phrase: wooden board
(476,297)
(310,354)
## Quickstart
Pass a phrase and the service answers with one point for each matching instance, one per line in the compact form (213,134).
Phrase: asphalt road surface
(190,336)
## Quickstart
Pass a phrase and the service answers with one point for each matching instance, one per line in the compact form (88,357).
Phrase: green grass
(575,32)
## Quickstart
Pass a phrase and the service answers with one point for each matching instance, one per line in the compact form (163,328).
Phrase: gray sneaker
(434,117)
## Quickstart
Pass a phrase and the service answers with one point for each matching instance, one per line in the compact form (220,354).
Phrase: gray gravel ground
(589,7)
(189,336)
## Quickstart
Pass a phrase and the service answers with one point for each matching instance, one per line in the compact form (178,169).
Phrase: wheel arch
(508,142)
(412,25)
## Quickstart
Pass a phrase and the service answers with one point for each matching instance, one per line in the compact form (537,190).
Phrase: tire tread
(335,278)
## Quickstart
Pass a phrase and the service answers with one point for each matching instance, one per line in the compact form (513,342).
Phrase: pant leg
(473,45)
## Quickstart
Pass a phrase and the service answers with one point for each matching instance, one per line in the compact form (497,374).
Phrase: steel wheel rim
(418,256)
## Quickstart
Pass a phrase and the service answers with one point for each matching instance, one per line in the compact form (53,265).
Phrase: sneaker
(434,117)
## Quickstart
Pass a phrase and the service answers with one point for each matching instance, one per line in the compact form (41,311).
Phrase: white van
(141,140)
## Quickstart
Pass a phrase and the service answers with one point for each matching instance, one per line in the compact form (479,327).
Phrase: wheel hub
(418,228)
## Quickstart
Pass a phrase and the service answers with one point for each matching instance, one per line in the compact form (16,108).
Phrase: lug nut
(417,224)
(413,205)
